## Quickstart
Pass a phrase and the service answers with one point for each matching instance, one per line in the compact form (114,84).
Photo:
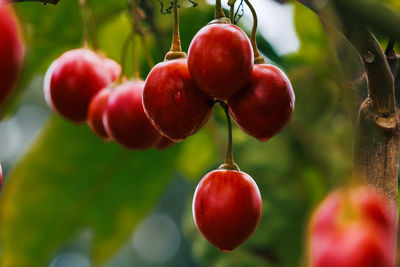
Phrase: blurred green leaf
(71,180)
(198,154)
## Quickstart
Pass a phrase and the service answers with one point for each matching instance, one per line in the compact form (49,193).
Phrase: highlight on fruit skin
(173,103)
(11,51)
(74,78)
(352,228)
(220,59)
(265,105)
(227,208)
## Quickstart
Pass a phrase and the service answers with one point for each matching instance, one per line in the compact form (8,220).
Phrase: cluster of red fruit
(78,86)
(11,55)
(353,228)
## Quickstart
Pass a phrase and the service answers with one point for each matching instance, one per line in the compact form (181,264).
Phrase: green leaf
(71,180)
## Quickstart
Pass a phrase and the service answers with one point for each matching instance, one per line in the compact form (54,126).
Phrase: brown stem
(376,150)
(258,59)
(176,49)
(219,12)
(229,163)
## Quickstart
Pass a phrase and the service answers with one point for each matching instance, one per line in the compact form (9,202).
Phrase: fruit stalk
(135,30)
(219,12)
(258,59)
(89,30)
(124,52)
(176,40)
(229,163)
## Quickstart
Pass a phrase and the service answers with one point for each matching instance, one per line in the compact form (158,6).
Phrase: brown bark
(376,146)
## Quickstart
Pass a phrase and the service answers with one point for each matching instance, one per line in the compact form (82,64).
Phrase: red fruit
(353,229)
(74,79)
(220,59)
(96,112)
(164,143)
(125,120)
(174,105)
(227,208)
(11,51)
(264,107)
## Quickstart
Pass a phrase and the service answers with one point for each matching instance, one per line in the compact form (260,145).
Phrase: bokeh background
(71,200)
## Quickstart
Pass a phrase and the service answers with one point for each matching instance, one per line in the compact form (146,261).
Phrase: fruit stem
(135,30)
(123,57)
(219,12)
(232,11)
(258,59)
(229,163)
(149,58)
(176,40)
(89,28)
(176,49)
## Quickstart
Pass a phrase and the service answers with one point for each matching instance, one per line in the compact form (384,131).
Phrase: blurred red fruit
(74,79)
(11,51)
(353,228)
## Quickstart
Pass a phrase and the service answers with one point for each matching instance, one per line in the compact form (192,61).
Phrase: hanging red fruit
(74,79)
(227,208)
(11,51)
(125,120)
(220,57)
(265,105)
(174,105)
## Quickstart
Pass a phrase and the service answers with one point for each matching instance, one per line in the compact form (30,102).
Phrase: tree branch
(45,2)
(376,149)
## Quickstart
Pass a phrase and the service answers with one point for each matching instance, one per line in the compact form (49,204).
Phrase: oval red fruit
(11,51)
(264,107)
(220,59)
(125,120)
(352,229)
(227,208)
(174,105)
(74,79)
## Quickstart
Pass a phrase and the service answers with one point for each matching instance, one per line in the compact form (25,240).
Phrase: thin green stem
(85,23)
(258,59)
(219,12)
(229,162)
(124,53)
(149,58)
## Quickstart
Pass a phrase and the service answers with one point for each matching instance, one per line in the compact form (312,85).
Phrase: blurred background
(71,200)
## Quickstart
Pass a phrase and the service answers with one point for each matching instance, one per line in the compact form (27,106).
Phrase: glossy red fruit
(227,208)
(11,51)
(96,112)
(74,79)
(164,143)
(125,120)
(220,59)
(353,229)
(174,105)
(264,107)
